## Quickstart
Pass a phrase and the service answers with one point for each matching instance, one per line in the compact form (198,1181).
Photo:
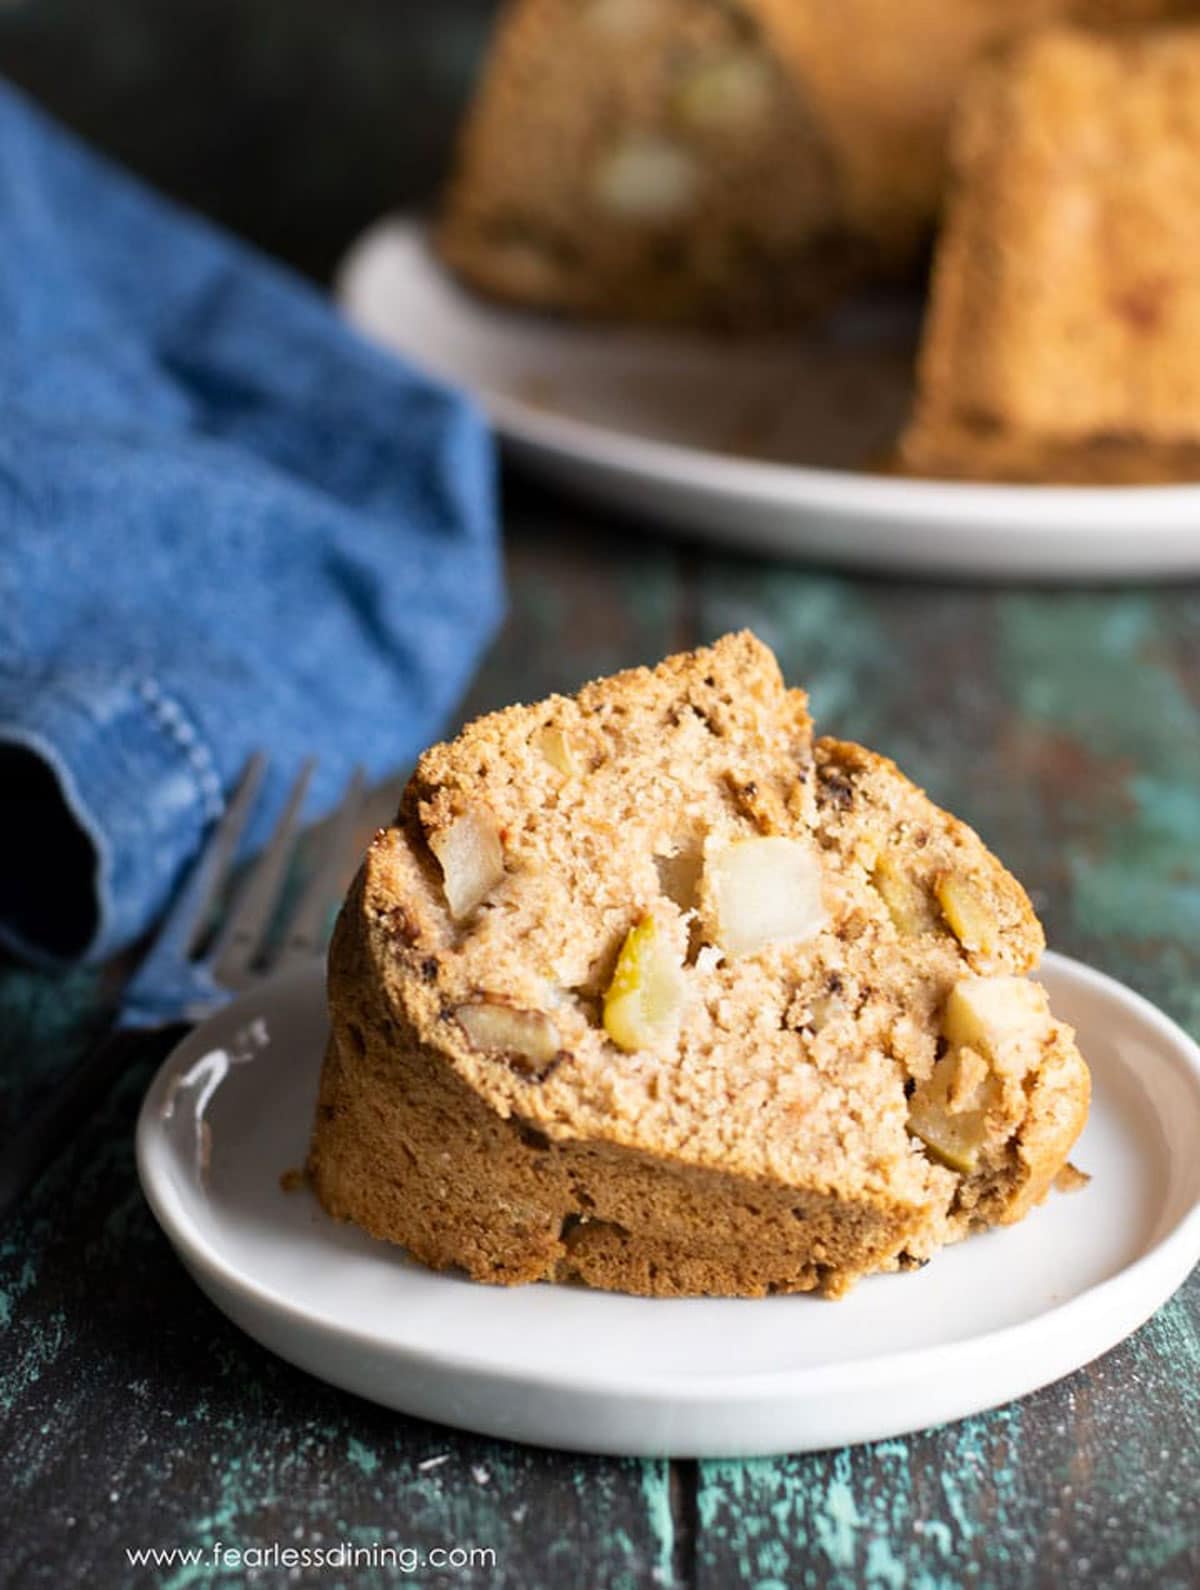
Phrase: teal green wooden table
(1066,727)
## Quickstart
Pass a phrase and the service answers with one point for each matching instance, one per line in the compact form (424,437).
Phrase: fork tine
(305,930)
(244,929)
(184,921)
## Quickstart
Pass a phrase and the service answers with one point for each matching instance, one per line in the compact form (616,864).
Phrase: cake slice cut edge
(1062,336)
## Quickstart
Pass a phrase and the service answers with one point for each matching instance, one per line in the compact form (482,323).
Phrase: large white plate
(988,1320)
(756,444)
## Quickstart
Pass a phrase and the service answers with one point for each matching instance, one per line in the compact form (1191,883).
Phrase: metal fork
(174,986)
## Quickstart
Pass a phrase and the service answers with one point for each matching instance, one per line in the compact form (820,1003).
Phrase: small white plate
(758,444)
(988,1320)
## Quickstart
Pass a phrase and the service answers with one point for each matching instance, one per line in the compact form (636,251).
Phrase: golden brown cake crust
(766,1142)
(1062,341)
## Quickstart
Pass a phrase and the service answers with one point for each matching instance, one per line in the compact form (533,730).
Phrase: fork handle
(60,1118)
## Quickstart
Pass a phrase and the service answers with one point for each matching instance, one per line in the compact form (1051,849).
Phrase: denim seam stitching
(173,721)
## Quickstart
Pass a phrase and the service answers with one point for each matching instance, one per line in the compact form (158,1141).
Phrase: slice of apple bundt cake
(646,988)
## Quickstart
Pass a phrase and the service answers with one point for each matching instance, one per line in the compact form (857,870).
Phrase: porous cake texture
(738,162)
(647,989)
(1062,341)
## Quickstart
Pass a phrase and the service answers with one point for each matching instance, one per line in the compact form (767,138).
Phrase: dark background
(295,122)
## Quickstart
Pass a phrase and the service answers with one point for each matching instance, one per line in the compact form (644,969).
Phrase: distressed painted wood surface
(1066,726)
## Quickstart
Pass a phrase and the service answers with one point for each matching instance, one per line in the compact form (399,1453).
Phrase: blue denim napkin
(225,521)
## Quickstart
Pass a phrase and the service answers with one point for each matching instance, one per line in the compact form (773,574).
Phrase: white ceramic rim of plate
(973,507)
(1122,1302)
